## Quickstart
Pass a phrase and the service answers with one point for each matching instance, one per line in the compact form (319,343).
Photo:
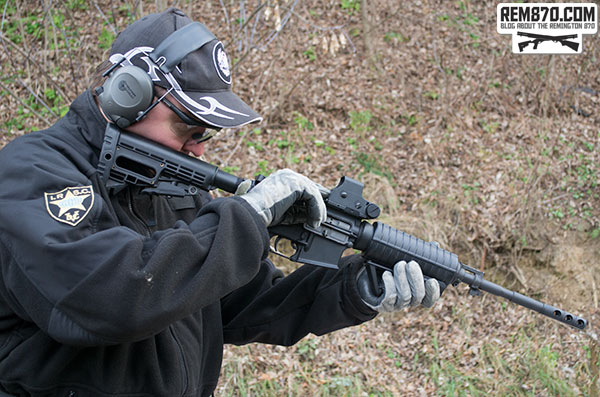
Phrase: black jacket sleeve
(100,283)
(281,310)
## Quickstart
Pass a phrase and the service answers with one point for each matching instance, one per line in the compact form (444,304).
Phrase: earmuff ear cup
(126,93)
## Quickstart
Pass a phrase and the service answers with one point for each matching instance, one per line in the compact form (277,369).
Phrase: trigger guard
(274,249)
(276,243)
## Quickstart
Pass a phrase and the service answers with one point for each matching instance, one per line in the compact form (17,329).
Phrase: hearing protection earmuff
(126,95)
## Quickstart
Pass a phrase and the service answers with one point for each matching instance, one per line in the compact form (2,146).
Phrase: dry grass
(493,155)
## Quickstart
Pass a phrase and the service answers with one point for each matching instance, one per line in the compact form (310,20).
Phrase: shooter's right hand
(273,197)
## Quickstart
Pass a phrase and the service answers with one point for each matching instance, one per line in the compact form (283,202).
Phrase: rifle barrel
(525,301)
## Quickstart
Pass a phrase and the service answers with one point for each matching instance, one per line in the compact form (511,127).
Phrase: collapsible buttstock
(523,44)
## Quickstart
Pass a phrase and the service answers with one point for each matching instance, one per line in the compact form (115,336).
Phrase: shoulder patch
(71,205)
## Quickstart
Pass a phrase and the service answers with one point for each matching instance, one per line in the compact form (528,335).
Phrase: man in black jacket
(115,292)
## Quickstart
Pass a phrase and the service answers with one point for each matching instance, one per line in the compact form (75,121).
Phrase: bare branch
(5,88)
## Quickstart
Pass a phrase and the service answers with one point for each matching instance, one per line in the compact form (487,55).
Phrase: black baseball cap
(201,81)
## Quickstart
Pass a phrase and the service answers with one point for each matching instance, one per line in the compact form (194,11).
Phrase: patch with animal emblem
(71,205)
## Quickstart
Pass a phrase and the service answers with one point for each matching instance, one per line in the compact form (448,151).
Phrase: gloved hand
(406,287)
(273,197)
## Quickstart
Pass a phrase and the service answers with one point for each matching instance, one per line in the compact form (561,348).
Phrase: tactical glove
(274,196)
(405,287)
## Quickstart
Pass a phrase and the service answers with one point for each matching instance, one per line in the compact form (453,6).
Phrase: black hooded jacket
(131,294)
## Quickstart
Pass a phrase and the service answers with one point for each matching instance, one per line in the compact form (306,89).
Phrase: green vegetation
(394,37)
(310,54)
(533,371)
(105,38)
(359,122)
(350,6)
(472,363)
(465,21)
(371,163)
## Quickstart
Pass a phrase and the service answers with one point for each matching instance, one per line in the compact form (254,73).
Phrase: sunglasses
(209,132)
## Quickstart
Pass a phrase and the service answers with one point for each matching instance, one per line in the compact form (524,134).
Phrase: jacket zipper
(183,361)
(136,216)
(146,228)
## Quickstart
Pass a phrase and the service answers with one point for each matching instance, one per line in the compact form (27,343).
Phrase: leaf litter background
(492,154)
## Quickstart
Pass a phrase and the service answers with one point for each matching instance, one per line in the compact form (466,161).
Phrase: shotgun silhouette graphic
(538,38)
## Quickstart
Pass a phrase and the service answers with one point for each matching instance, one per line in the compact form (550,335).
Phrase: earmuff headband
(171,51)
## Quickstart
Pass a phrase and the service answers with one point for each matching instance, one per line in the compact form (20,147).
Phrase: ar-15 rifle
(538,38)
(131,159)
